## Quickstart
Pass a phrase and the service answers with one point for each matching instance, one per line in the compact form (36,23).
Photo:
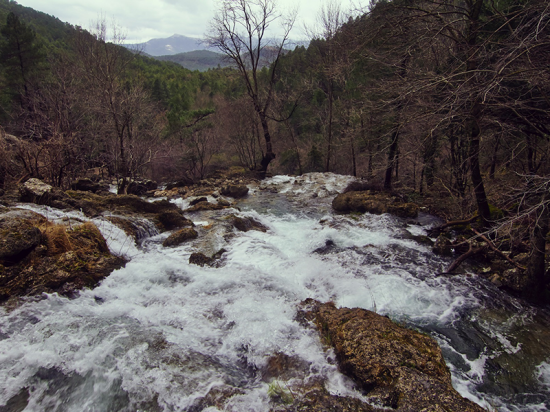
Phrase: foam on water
(161,333)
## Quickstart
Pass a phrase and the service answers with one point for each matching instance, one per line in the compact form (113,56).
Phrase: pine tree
(21,55)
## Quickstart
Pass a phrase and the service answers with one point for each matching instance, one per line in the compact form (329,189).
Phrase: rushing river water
(160,334)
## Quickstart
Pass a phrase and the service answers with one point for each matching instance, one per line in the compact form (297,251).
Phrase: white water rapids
(160,333)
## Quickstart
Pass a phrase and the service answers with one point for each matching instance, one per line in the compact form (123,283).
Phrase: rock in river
(373,202)
(396,367)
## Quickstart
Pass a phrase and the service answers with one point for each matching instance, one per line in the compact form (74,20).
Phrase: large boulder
(19,234)
(373,202)
(63,260)
(395,367)
(35,191)
(235,191)
(141,187)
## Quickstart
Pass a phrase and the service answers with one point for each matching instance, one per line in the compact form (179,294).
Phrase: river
(160,334)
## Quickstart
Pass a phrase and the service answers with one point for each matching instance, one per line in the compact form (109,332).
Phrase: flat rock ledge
(395,367)
(370,201)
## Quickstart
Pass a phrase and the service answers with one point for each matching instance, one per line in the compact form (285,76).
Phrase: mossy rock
(396,367)
(373,202)
(65,261)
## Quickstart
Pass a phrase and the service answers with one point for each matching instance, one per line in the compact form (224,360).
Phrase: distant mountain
(201,60)
(169,46)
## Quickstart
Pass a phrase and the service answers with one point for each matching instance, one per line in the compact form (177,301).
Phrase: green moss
(496,213)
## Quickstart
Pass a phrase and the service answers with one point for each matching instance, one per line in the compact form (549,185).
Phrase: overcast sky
(143,20)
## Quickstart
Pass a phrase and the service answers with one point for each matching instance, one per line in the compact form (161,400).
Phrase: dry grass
(57,240)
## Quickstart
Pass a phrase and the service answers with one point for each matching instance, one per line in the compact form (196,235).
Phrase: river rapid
(161,334)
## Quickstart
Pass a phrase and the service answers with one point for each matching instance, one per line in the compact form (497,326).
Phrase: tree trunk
(391,159)
(269,155)
(536,268)
(329,130)
(477,180)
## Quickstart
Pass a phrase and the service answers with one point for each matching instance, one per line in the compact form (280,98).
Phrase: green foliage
(21,55)
(279,394)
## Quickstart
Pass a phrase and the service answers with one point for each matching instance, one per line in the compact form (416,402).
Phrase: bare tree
(239,30)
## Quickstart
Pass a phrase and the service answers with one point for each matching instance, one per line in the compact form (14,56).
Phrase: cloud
(142,20)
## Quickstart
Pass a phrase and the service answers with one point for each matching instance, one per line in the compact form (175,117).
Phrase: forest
(445,102)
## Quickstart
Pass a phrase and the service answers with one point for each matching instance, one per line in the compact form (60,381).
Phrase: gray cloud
(142,20)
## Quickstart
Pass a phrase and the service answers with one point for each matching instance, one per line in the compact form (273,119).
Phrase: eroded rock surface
(395,367)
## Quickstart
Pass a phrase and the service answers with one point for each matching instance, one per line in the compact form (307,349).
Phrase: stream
(161,334)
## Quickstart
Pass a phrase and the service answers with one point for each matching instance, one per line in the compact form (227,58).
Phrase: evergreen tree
(21,55)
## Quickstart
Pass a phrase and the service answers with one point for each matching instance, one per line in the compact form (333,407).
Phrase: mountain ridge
(175,44)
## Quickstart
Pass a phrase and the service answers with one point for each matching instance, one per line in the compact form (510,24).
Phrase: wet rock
(244,224)
(177,238)
(216,398)
(205,206)
(173,219)
(65,261)
(443,246)
(19,234)
(284,367)
(203,191)
(86,185)
(394,366)
(93,204)
(423,240)
(35,191)
(224,203)
(197,200)
(373,202)
(141,187)
(314,397)
(329,247)
(235,191)
(200,259)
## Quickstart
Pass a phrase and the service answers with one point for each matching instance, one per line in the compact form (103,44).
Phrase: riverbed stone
(235,191)
(177,238)
(205,205)
(173,219)
(244,224)
(396,367)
